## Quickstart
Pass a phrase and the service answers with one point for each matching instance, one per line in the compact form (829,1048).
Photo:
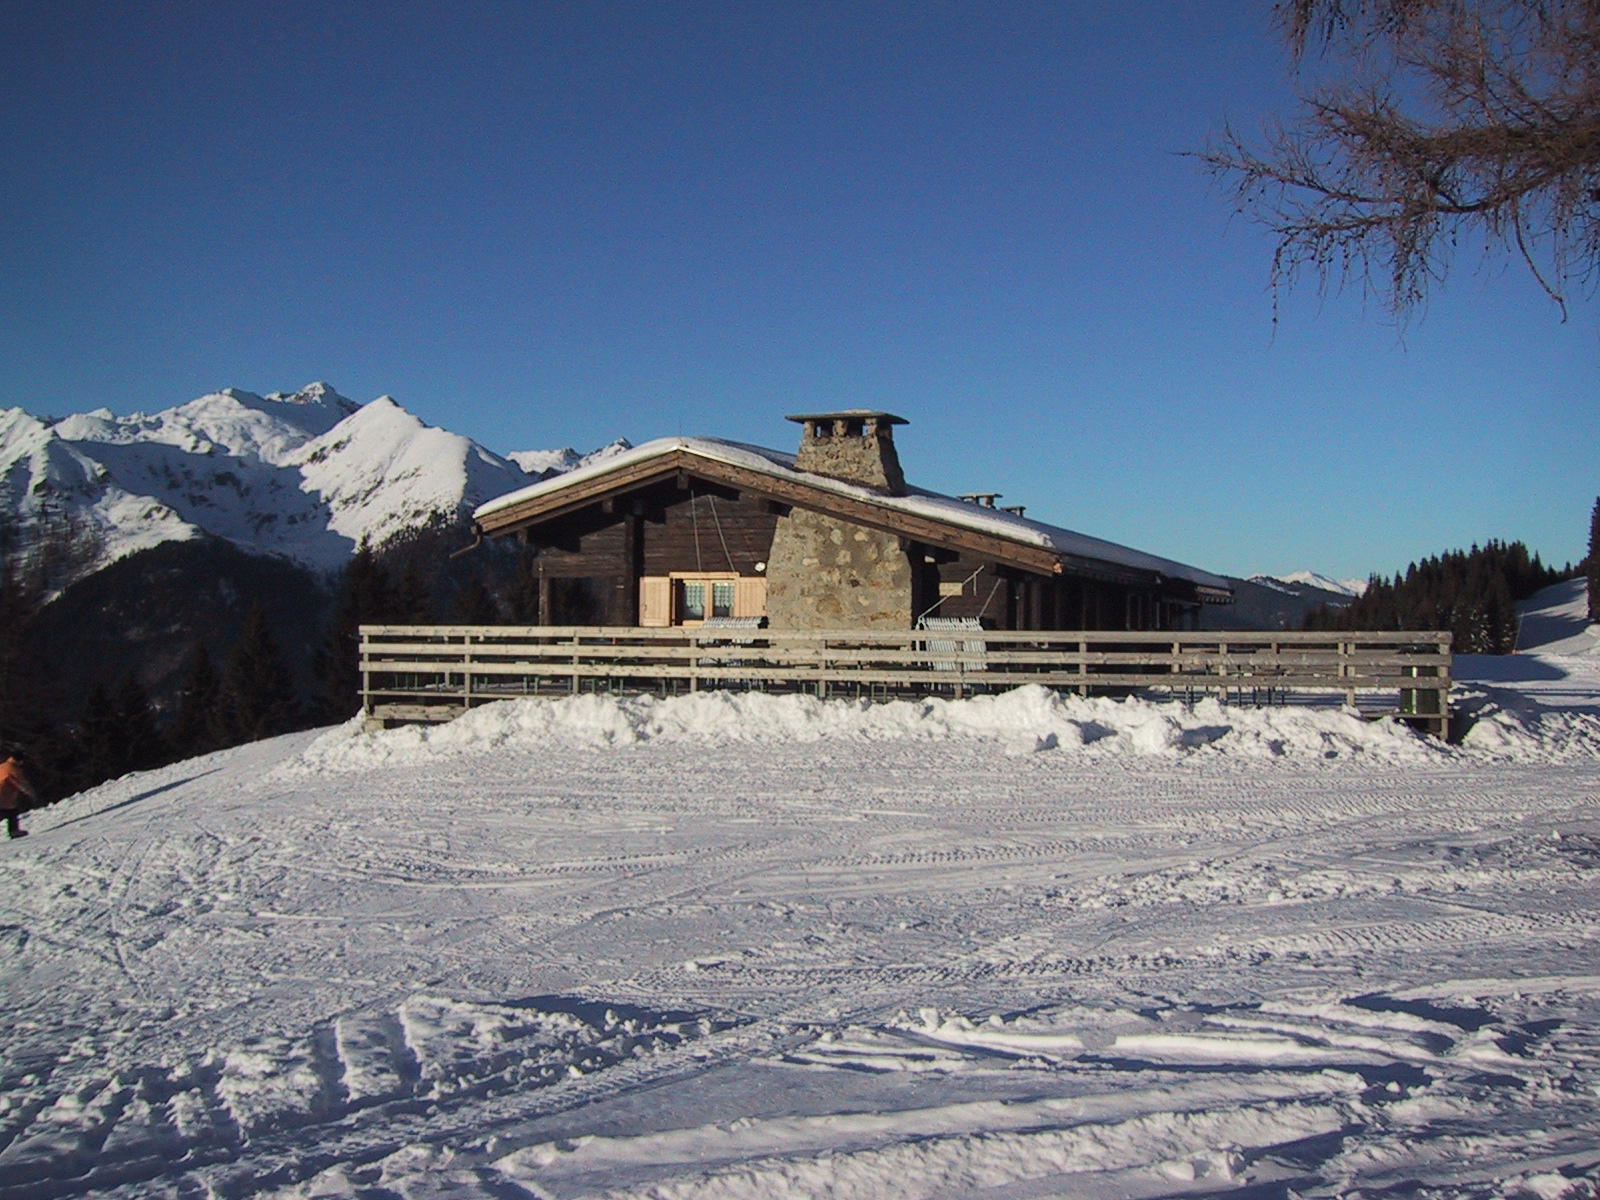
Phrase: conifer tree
(139,745)
(15,612)
(365,597)
(95,749)
(1593,562)
(475,604)
(257,693)
(411,603)
(199,725)
(1472,593)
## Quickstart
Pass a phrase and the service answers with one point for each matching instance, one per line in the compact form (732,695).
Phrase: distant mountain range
(304,476)
(1279,601)
(1347,587)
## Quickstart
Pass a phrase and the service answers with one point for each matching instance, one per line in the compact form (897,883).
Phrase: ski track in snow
(622,949)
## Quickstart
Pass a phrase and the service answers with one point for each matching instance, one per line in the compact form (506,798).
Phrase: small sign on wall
(952,587)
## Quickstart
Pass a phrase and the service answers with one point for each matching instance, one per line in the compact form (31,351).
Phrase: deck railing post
(366,673)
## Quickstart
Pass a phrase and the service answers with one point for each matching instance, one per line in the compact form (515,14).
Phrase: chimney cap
(850,414)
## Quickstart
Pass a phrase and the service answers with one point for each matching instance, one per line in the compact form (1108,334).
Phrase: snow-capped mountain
(1344,587)
(304,476)
(542,464)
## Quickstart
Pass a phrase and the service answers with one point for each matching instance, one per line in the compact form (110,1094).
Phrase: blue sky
(552,224)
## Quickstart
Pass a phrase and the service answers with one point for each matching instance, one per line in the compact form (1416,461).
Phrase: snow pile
(1025,720)
(1507,724)
(1544,700)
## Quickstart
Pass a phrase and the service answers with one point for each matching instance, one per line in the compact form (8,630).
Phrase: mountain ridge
(306,475)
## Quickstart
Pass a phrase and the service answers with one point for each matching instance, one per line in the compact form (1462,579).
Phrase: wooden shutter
(655,601)
(750,596)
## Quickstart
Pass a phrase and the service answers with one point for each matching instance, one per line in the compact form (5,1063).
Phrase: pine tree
(1472,593)
(1500,619)
(199,725)
(365,597)
(412,603)
(16,610)
(257,693)
(95,750)
(139,744)
(475,604)
(1593,562)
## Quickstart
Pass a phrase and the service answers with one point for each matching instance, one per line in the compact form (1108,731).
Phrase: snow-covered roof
(931,505)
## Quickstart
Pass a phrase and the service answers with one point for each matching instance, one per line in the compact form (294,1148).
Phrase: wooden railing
(434,672)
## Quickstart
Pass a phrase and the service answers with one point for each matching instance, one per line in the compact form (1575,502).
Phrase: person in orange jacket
(13,786)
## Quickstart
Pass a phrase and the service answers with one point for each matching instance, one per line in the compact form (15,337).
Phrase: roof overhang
(926,518)
(557,502)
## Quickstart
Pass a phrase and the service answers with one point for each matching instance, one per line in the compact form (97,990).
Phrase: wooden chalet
(680,531)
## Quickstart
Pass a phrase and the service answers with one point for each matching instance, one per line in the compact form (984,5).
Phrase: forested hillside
(1472,593)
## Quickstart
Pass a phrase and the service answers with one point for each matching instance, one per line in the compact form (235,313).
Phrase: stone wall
(829,574)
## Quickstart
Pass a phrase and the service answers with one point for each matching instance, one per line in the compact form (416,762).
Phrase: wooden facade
(601,564)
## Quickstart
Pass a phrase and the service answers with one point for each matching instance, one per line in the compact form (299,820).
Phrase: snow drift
(1025,720)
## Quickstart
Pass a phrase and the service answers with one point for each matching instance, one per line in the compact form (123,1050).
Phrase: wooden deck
(436,672)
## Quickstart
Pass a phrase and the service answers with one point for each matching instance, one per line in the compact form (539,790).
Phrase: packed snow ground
(1025,946)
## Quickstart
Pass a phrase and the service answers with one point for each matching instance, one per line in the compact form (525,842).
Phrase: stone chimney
(855,445)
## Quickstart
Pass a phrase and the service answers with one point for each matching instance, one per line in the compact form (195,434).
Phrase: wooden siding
(591,560)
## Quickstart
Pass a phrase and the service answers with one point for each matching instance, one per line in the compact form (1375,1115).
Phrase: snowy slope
(381,471)
(758,946)
(1556,621)
(306,475)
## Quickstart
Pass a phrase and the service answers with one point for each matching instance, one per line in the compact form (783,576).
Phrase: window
(688,598)
(691,600)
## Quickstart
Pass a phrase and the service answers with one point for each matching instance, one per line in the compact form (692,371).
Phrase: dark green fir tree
(475,604)
(258,698)
(365,597)
(139,744)
(199,726)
